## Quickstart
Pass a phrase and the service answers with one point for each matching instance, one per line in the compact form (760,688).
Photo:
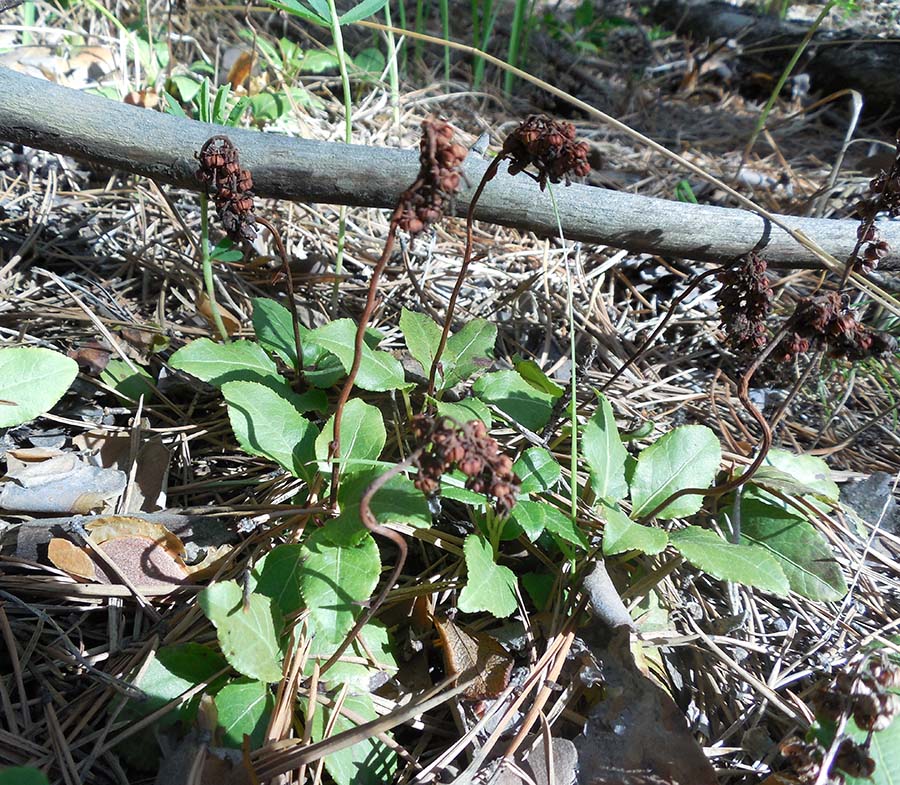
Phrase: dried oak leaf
(466,653)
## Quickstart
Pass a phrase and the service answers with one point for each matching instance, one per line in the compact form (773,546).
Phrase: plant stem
(334,451)
(292,304)
(765,439)
(516,39)
(206,262)
(573,381)
(393,69)
(371,523)
(338,39)
(801,47)
(445,28)
(420,28)
(489,175)
(638,353)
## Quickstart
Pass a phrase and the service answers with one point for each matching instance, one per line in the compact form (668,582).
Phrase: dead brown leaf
(240,71)
(71,559)
(474,652)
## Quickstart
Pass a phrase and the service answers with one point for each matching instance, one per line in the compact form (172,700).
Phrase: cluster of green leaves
(774,547)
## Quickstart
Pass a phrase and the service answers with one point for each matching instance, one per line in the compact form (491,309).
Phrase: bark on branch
(99,131)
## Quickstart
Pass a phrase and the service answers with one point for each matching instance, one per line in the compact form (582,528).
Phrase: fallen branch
(99,131)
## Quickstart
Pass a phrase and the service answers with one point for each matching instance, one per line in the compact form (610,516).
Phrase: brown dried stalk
(419,206)
(547,145)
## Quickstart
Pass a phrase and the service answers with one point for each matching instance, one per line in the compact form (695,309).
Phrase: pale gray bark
(44,115)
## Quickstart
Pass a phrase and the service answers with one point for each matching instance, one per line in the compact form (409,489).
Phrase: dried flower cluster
(867,697)
(422,204)
(468,448)
(230,186)
(826,321)
(548,145)
(885,197)
(745,302)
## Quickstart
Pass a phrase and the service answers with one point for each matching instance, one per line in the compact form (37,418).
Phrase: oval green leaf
(217,363)
(489,587)
(537,470)
(516,398)
(803,553)
(248,637)
(378,371)
(32,380)
(604,452)
(623,534)
(244,707)
(686,457)
(745,564)
(362,437)
(269,424)
(334,580)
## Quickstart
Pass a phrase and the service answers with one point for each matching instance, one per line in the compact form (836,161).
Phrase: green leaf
(186,87)
(369,762)
(537,516)
(397,501)
(531,372)
(464,411)
(244,708)
(23,775)
(299,9)
(370,61)
(274,328)
(469,351)
(319,61)
(539,586)
(516,398)
(768,478)
(373,643)
(422,336)
(490,587)
(362,437)
(277,576)
(745,564)
(170,673)
(808,470)
(32,380)
(686,457)
(217,363)
(362,10)
(884,749)
(622,534)
(604,452)
(334,580)
(131,384)
(270,424)
(538,470)
(248,638)
(378,371)
(804,555)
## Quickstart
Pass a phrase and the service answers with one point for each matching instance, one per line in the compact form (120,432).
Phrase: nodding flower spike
(230,187)
(548,145)
(423,203)
(470,449)
(744,303)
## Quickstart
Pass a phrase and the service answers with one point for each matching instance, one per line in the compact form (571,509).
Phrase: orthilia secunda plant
(442,444)
(419,206)
(548,146)
(231,188)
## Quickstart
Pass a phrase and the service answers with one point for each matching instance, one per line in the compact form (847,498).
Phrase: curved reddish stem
(489,175)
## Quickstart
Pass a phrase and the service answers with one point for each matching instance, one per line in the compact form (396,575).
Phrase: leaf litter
(735,664)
